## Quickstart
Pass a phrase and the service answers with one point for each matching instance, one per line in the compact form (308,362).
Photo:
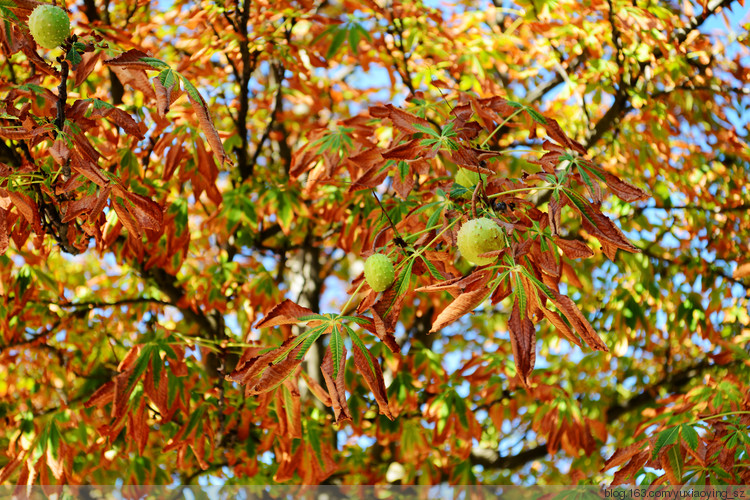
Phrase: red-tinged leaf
(101,200)
(408,151)
(136,78)
(556,133)
(122,119)
(285,313)
(599,224)
(137,422)
(78,207)
(554,216)
(370,369)
(464,303)
(89,170)
(60,152)
(252,363)
(336,387)
(86,66)
(742,271)
(403,186)
(275,375)
(579,321)
(204,120)
(133,58)
(456,286)
(127,220)
(19,133)
(147,212)
(101,396)
(27,207)
(561,326)
(523,343)
(574,249)
(401,119)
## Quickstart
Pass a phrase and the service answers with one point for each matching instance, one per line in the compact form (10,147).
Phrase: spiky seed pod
(49,25)
(379,272)
(479,236)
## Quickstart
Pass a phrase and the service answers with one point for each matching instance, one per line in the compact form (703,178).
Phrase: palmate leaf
(665,438)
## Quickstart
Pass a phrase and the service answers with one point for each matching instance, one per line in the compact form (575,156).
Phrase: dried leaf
(523,343)
(370,369)
(204,119)
(579,321)
(133,58)
(574,249)
(285,313)
(464,303)
(742,271)
(336,387)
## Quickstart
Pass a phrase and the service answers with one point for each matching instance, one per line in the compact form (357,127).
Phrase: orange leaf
(130,59)
(464,303)
(742,271)
(204,119)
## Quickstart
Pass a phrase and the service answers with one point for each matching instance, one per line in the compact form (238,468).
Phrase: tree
(188,194)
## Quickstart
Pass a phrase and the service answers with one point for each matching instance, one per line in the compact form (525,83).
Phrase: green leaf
(357,341)
(195,417)
(354,35)
(310,338)
(520,292)
(535,115)
(154,62)
(689,435)
(337,349)
(675,460)
(191,90)
(581,203)
(53,439)
(431,267)
(541,286)
(665,438)
(338,40)
(427,130)
(73,56)
(168,78)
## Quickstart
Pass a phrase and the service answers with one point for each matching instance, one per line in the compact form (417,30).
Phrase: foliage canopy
(188,193)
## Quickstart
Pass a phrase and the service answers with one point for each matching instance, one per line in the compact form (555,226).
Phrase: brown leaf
(561,326)
(130,59)
(556,132)
(288,399)
(579,321)
(370,369)
(407,151)
(86,66)
(456,286)
(89,170)
(574,249)
(623,190)
(523,342)
(383,334)
(78,207)
(464,303)
(163,96)
(253,362)
(19,133)
(207,126)
(285,313)
(122,119)
(317,389)
(337,387)
(401,119)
